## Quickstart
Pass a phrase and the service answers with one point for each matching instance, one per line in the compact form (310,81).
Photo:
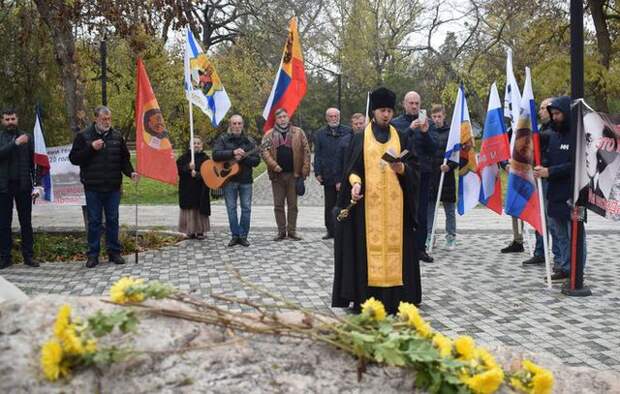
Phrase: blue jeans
(450,210)
(242,191)
(563,235)
(108,202)
(555,247)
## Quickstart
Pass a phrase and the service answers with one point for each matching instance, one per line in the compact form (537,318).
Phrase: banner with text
(68,189)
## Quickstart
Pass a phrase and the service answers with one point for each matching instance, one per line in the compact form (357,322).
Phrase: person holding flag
(557,169)
(103,157)
(16,185)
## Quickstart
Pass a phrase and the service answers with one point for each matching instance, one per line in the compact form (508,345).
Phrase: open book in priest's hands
(391,157)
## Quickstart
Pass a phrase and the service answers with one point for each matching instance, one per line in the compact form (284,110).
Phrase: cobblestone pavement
(473,290)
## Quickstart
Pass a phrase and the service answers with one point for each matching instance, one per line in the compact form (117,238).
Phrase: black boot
(243,242)
(30,262)
(514,247)
(5,263)
(233,241)
(92,261)
(425,257)
(116,259)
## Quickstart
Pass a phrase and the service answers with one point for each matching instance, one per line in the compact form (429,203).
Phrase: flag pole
(191,127)
(543,221)
(439,190)
(136,234)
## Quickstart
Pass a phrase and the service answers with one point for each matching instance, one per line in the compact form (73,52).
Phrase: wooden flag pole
(543,221)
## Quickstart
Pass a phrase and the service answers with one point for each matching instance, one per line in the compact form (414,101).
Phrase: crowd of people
(390,202)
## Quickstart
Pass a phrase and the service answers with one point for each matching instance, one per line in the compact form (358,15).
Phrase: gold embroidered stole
(383,200)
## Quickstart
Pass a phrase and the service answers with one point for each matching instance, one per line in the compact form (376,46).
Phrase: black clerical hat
(382,98)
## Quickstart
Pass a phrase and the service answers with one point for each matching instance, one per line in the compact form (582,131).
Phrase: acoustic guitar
(216,173)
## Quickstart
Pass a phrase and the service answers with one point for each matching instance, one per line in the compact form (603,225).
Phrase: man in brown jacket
(287,159)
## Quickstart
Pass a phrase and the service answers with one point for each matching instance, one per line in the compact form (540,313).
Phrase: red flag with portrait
(154,154)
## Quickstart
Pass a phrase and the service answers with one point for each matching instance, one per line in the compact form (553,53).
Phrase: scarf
(282,136)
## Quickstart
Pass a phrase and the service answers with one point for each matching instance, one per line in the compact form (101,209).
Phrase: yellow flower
(424,330)
(123,291)
(409,313)
(72,344)
(91,346)
(542,382)
(465,347)
(529,366)
(63,319)
(518,384)
(51,357)
(487,358)
(443,344)
(374,309)
(486,382)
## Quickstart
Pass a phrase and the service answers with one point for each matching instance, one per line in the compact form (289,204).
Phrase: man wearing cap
(375,253)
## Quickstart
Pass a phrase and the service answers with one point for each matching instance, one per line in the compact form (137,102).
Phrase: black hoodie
(557,157)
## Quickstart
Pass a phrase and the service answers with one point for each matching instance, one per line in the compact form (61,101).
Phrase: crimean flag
(290,85)
(154,154)
(494,149)
(41,160)
(522,196)
(460,149)
(203,86)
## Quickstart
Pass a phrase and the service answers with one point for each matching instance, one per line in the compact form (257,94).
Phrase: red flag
(154,154)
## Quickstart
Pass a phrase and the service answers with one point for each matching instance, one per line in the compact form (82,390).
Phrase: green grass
(151,192)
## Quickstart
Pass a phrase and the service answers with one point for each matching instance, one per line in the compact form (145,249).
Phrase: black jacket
(448,192)
(223,151)
(423,144)
(557,158)
(193,192)
(327,154)
(102,170)
(21,156)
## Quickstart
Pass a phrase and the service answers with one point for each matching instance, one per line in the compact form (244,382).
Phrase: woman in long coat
(194,199)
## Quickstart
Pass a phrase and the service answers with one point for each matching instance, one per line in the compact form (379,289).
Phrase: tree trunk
(57,17)
(603,42)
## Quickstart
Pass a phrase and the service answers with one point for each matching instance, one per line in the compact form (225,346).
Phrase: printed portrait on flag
(602,162)
(154,128)
(523,153)
(204,76)
(467,155)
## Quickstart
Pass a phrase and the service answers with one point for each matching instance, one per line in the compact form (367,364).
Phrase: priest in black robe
(374,249)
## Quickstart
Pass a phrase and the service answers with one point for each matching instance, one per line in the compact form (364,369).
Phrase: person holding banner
(103,157)
(16,184)
(557,168)
(194,199)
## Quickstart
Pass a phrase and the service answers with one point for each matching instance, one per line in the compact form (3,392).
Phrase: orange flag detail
(154,154)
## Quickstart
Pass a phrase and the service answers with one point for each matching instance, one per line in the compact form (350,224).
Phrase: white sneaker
(450,244)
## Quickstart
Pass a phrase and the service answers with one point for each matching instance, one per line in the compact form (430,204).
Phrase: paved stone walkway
(473,290)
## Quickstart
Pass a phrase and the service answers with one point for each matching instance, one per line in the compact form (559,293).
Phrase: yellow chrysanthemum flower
(63,319)
(486,382)
(518,384)
(91,346)
(405,310)
(531,367)
(424,330)
(409,313)
(465,347)
(443,344)
(487,358)
(51,357)
(374,309)
(122,292)
(71,342)
(542,382)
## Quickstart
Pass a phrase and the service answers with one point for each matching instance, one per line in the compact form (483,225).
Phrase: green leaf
(422,352)
(422,378)
(388,353)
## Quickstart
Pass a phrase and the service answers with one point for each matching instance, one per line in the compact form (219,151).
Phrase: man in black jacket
(16,184)
(448,191)
(422,143)
(326,162)
(103,157)
(557,168)
(235,145)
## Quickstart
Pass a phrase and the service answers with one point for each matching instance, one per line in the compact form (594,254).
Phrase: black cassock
(350,268)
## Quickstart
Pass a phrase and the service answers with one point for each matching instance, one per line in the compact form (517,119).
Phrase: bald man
(327,169)
(422,142)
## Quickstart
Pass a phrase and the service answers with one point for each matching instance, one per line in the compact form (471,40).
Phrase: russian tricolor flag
(41,160)
(494,149)
(522,196)
(290,85)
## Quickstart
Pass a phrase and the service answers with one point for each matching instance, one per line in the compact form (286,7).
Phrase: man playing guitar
(237,146)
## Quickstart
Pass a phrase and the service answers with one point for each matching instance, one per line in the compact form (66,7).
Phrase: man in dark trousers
(326,167)
(557,169)
(423,144)
(448,190)
(103,157)
(16,184)
(235,145)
